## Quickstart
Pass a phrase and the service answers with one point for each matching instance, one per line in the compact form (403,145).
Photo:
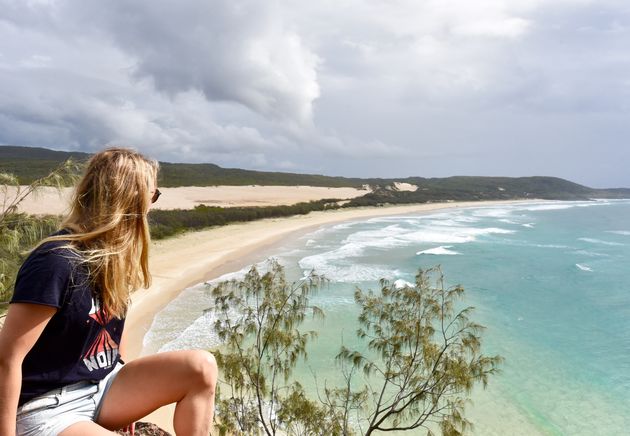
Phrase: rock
(145,429)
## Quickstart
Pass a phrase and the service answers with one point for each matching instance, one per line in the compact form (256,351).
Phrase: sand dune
(51,201)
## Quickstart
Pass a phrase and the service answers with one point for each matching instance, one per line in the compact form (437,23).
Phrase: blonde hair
(108,220)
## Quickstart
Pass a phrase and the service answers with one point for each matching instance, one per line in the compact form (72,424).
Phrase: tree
(258,321)
(19,231)
(423,357)
(344,404)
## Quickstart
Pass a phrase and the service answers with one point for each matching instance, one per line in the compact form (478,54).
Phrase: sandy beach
(195,257)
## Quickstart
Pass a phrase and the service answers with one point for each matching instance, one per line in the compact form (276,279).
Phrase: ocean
(549,280)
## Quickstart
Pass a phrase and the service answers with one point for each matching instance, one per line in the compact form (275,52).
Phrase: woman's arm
(22,327)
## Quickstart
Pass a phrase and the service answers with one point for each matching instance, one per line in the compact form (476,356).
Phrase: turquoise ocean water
(550,281)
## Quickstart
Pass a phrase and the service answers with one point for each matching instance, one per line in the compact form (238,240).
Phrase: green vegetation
(165,223)
(485,188)
(183,174)
(424,356)
(19,232)
(30,163)
(262,344)
(423,359)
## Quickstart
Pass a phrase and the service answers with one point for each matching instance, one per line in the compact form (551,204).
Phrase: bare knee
(204,369)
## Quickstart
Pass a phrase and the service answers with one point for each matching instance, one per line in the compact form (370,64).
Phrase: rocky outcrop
(145,429)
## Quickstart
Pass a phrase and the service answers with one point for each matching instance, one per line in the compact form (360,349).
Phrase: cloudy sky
(389,88)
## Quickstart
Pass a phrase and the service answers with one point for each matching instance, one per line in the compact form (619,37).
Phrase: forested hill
(464,188)
(29,163)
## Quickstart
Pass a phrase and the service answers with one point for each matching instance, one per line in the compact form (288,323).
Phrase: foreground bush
(19,232)
(424,357)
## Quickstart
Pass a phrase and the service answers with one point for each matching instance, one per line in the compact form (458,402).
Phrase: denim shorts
(53,412)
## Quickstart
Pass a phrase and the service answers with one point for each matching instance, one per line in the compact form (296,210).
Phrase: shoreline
(192,258)
(198,256)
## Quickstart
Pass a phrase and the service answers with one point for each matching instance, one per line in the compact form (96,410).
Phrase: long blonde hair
(108,220)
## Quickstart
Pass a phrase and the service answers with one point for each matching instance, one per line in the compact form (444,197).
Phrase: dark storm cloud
(231,51)
(71,80)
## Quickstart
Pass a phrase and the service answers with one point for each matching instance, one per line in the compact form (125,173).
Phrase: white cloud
(509,27)
(235,51)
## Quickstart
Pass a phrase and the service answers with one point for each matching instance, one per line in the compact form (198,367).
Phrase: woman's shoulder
(58,251)
(47,273)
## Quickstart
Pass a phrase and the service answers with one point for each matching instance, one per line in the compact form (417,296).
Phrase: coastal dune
(49,200)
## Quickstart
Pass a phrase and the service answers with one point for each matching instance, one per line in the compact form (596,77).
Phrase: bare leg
(86,428)
(187,378)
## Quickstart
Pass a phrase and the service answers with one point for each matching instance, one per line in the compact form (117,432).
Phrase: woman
(61,370)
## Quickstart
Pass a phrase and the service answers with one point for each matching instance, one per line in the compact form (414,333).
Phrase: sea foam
(356,272)
(441,250)
(599,241)
(620,232)
(199,335)
(590,253)
(400,283)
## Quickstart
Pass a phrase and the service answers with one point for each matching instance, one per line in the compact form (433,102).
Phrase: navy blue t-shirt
(80,342)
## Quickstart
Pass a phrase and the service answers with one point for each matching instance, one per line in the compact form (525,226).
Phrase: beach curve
(192,258)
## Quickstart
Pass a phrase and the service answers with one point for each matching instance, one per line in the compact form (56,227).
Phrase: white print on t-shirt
(103,351)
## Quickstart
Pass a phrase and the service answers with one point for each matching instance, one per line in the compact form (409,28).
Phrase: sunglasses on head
(156,195)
